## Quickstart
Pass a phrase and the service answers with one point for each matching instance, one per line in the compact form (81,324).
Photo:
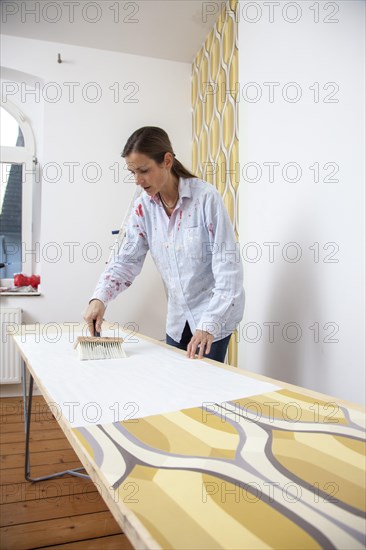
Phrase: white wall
(312,291)
(84,131)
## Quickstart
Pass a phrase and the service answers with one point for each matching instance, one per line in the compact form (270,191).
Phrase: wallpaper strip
(215,151)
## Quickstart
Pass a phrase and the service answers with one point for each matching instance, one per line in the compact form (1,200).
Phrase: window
(17,176)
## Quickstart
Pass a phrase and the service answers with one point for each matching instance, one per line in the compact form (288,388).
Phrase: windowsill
(7,284)
(20,294)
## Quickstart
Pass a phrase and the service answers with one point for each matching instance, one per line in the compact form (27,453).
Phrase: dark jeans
(218,349)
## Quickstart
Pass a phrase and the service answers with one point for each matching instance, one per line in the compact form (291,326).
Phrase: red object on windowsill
(24,280)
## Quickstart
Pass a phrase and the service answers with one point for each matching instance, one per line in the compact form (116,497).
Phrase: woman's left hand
(201,339)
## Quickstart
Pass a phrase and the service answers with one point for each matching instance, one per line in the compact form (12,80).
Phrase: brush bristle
(99,348)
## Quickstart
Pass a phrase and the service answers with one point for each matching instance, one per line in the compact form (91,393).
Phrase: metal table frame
(27,404)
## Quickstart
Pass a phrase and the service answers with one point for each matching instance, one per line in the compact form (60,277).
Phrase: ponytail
(181,171)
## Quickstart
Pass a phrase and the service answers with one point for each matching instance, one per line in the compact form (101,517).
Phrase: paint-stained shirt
(196,253)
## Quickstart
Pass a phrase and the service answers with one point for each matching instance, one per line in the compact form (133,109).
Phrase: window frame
(27,157)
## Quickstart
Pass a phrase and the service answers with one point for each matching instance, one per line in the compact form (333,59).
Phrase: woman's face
(151,176)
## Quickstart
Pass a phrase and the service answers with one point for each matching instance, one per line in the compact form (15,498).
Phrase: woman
(182,220)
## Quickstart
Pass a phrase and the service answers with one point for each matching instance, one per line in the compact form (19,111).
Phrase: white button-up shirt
(196,254)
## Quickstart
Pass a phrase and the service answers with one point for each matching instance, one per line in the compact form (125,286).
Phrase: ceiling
(166,29)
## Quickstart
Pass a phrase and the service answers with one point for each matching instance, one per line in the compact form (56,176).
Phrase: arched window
(17,176)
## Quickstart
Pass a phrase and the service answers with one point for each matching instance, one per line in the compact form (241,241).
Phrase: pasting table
(192,454)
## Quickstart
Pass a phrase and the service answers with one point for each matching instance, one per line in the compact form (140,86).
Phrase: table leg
(27,426)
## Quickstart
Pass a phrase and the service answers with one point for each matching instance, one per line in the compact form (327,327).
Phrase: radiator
(10,367)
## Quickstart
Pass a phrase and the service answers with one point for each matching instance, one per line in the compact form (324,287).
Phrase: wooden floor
(64,513)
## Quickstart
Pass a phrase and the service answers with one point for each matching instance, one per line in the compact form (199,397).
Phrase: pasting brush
(99,347)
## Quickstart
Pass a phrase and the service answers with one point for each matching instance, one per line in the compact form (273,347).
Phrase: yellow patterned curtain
(215,154)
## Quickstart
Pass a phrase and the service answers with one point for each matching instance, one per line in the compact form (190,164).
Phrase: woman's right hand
(95,312)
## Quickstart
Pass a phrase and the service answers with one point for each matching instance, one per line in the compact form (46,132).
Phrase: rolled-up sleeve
(122,270)
(226,305)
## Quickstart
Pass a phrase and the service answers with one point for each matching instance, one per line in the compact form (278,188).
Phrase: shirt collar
(184,191)
(185,188)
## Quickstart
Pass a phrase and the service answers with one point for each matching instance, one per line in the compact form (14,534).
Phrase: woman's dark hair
(154,143)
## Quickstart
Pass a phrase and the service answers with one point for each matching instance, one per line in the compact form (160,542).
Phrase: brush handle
(97,334)
(122,230)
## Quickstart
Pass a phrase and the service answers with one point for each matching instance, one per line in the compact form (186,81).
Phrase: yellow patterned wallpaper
(215,154)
